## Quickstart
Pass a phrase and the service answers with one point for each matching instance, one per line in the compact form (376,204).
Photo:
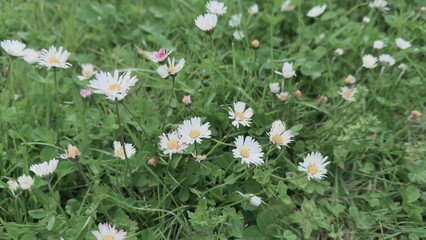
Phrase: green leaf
(37,213)
(412,194)
(252,233)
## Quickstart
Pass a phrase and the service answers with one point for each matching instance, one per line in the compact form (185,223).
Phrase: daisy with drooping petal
(235,20)
(13,47)
(216,7)
(348,93)
(255,201)
(172,69)
(25,182)
(253,9)
(206,22)
(379,4)
(119,151)
(286,6)
(159,56)
(248,150)
(87,71)
(114,87)
(238,35)
(193,131)
(30,55)
(44,169)
(172,143)
(54,58)
(314,165)
(387,59)
(240,115)
(71,153)
(287,70)
(369,61)
(378,44)
(279,135)
(274,87)
(107,232)
(316,11)
(402,44)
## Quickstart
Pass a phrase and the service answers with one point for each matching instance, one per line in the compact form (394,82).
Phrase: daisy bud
(152,161)
(84,93)
(140,52)
(423,9)
(323,100)
(186,100)
(255,44)
(298,94)
(13,186)
(256,201)
(274,87)
(338,52)
(365,20)
(350,80)
(415,117)
(282,96)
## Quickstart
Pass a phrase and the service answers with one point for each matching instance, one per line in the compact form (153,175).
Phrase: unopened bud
(282,96)
(255,43)
(186,100)
(350,80)
(152,161)
(415,116)
(140,51)
(298,94)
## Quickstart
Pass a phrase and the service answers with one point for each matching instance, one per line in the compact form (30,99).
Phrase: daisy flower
(253,9)
(402,44)
(108,232)
(366,20)
(235,20)
(379,4)
(85,92)
(279,135)
(287,70)
(114,87)
(44,169)
(30,55)
(338,52)
(255,201)
(159,56)
(13,186)
(193,131)
(54,58)
(316,11)
(274,87)
(206,22)
(348,93)
(238,35)
(240,115)
(378,44)
(369,61)
(314,165)
(25,182)
(286,6)
(387,59)
(248,150)
(71,153)
(119,151)
(172,69)
(216,7)
(186,100)
(172,143)
(87,71)
(13,47)
(282,96)
(199,158)
(350,80)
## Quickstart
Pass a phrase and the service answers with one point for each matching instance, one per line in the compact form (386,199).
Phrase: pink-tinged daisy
(85,92)
(172,143)
(108,232)
(279,135)
(54,58)
(158,56)
(348,93)
(193,131)
(402,44)
(171,70)
(206,22)
(287,70)
(248,150)
(216,7)
(240,115)
(119,151)
(314,165)
(114,87)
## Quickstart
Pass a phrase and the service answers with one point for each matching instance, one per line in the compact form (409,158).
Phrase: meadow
(189,119)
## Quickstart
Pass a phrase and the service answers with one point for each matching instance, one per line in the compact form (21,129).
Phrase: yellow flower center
(347,94)
(87,73)
(115,87)
(53,60)
(312,169)
(72,152)
(194,133)
(171,69)
(240,116)
(109,237)
(120,152)
(278,139)
(173,144)
(245,153)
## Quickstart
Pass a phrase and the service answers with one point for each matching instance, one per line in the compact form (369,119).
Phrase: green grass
(376,181)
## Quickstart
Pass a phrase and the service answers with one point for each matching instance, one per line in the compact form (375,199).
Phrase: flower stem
(56,85)
(80,170)
(120,127)
(170,99)
(134,118)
